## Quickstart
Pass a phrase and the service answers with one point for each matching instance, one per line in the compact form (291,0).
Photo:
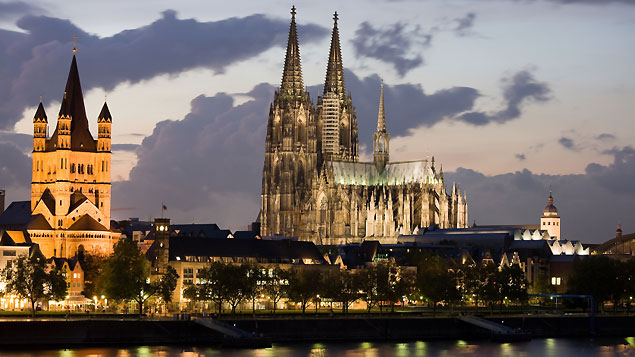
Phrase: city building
(313,185)
(189,254)
(69,211)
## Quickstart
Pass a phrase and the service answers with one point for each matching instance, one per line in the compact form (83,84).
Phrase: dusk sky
(512,97)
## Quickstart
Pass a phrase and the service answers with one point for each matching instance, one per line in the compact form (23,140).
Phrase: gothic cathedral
(313,185)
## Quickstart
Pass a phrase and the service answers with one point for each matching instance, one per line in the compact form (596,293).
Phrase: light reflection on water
(536,347)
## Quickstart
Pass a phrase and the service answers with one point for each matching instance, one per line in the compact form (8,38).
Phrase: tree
(276,281)
(368,282)
(92,270)
(29,278)
(253,284)
(126,276)
(341,286)
(436,282)
(166,285)
(512,284)
(594,275)
(236,283)
(303,286)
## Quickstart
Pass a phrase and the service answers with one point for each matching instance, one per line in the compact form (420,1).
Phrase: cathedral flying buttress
(314,186)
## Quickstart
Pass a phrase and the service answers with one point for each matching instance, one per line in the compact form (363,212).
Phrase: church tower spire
(292,85)
(335,71)
(381,138)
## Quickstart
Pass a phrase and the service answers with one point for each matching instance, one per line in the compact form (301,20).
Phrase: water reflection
(537,347)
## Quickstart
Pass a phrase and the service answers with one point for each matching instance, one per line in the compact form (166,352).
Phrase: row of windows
(549,223)
(79,168)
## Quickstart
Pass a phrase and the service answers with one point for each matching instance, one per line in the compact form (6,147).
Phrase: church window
(102,165)
(548,223)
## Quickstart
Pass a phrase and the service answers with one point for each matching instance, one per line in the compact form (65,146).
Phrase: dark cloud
(15,172)
(520,157)
(407,105)
(619,176)
(590,204)
(567,143)
(518,89)
(594,2)
(605,137)
(464,24)
(393,44)
(24,142)
(206,167)
(33,62)
(11,9)
(124,147)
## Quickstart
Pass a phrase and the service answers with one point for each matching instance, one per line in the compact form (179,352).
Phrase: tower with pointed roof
(337,120)
(70,186)
(550,220)
(381,138)
(291,147)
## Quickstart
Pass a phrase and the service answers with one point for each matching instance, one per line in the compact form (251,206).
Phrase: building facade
(313,184)
(71,188)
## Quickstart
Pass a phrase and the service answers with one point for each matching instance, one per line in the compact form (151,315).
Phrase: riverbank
(101,332)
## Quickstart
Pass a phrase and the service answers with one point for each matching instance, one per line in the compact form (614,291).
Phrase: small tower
(618,231)
(550,220)
(40,126)
(64,120)
(104,122)
(162,245)
(381,138)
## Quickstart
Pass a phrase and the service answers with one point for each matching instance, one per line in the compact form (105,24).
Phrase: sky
(512,97)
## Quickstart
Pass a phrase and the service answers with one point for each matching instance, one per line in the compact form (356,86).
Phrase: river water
(536,347)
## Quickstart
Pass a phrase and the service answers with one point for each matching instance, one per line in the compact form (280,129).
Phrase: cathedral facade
(313,184)
(71,187)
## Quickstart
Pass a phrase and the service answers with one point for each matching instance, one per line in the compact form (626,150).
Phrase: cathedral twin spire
(292,83)
(334,81)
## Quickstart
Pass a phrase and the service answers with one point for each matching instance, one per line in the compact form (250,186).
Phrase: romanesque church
(69,211)
(313,185)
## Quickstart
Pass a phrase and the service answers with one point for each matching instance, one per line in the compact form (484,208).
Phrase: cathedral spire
(381,138)
(335,71)
(292,84)
(381,116)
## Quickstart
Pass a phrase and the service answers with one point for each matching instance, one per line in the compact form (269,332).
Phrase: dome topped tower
(550,220)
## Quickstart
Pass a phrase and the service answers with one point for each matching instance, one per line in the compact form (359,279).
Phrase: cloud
(407,105)
(605,137)
(393,44)
(124,147)
(206,167)
(15,171)
(590,204)
(464,24)
(567,143)
(34,61)
(520,157)
(518,89)
(11,9)
(617,177)
(594,2)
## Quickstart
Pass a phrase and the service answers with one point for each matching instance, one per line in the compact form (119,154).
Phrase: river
(537,347)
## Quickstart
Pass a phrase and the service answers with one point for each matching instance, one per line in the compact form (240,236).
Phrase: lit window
(553,280)
(557,281)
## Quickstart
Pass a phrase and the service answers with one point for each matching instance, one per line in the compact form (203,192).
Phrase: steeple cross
(74,43)
(335,17)
(293,11)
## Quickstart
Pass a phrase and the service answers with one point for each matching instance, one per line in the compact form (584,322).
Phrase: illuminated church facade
(313,184)
(71,185)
